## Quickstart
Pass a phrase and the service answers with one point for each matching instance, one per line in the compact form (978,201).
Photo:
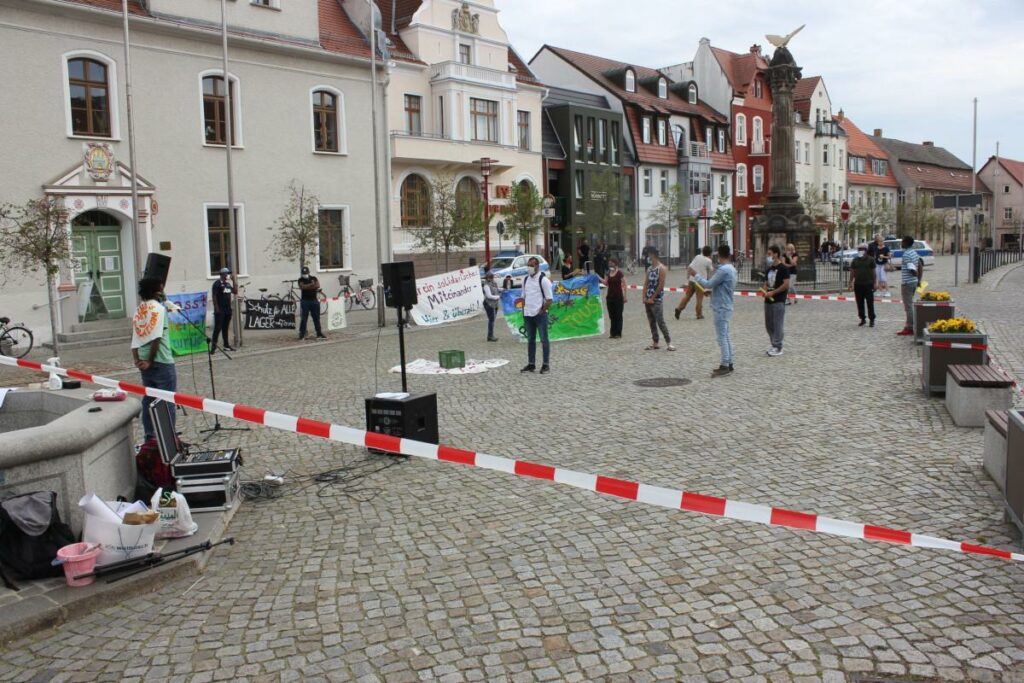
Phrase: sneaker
(229,348)
(775,352)
(529,368)
(670,348)
(721,371)
(544,369)
(678,311)
(492,339)
(769,350)
(872,323)
(905,332)
(863,322)
(320,336)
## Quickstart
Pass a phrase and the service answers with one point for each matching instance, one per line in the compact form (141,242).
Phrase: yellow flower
(936,296)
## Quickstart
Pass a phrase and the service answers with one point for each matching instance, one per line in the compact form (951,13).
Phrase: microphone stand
(217,426)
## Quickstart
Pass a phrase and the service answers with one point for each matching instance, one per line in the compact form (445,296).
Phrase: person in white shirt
(537,299)
(491,298)
(704,267)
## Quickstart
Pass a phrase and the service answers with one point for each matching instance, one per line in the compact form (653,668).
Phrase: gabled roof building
(1005,177)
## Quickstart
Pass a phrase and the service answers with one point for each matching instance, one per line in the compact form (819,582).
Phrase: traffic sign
(549,213)
(844,211)
(549,201)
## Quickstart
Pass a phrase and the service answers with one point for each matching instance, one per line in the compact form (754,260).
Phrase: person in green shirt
(862,282)
(151,347)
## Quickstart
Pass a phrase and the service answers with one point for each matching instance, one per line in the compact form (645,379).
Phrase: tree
(814,204)
(455,219)
(35,236)
(918,218)
(668,211)
(866,220)
(523,214)
(297,229)
(723,219)
(603,208)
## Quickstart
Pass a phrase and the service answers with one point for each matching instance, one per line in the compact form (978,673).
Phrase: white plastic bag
(175,518)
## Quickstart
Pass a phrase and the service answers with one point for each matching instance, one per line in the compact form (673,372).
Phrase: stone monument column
(783,197)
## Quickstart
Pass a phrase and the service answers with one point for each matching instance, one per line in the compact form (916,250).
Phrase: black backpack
(31,533)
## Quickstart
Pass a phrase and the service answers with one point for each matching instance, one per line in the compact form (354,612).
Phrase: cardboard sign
(269,315)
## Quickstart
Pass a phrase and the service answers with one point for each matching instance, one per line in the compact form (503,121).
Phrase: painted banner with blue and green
(188,325)
(575,312)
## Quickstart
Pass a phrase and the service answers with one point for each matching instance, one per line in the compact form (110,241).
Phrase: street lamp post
(485,171)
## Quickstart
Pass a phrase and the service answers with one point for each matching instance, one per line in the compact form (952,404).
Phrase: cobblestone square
(410,570)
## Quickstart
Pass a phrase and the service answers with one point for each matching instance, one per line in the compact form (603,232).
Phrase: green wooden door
(99,272)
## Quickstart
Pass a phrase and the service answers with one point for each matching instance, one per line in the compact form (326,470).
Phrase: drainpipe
(138,233)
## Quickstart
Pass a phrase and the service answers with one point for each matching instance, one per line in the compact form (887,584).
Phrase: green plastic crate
(452,359)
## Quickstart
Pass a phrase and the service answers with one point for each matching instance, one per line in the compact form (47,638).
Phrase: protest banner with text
(576,311)
(188,324)
(448,297)
(269,315)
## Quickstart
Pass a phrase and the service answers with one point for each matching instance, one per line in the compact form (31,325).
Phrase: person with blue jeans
(723,285)
(151,348)
(537,299)
(492,297)
(912,273)
(309,285)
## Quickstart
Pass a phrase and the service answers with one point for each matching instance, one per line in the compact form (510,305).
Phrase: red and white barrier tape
(621,488)
(954,345)
(812,297)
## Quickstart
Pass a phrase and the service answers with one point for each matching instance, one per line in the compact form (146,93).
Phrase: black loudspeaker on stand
(157,268)
(411,416)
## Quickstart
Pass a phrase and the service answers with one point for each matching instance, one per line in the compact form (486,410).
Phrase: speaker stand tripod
(217,427)
(401,347)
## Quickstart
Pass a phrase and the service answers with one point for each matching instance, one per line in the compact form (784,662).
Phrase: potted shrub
(952,341)
(931,307)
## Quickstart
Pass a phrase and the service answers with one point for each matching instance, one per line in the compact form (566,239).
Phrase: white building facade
(820,153)
(457,93)
(299,75)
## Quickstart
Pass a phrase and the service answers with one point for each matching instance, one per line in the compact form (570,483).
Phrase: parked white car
(515,268)
(920,246)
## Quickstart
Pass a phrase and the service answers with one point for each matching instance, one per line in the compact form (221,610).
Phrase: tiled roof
(523,73)
(596,67)
(650,153)
(338,33)
(804,88)
(739,69)
(860,145)
(940,178)
(404,9)
(919,154)
(723,161)
(1014,168)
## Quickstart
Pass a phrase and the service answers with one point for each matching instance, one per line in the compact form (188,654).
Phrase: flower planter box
(927,312)
(935,359)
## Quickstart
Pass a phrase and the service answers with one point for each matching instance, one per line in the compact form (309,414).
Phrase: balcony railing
(696,150)
(761,147)
(470,73)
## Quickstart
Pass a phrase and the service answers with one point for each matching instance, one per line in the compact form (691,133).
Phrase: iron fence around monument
(828,276)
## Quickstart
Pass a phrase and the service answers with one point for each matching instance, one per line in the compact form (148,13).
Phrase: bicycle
(294,295)
(15,340)
(364,295)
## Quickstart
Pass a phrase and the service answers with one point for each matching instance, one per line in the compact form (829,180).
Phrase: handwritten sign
(448,297)
(188,324)
(269,315)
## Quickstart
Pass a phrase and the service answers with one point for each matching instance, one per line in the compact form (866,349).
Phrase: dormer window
(663,88)
(630,81)
(758,92)
(691,94)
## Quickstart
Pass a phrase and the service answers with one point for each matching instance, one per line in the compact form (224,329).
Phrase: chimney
(928,143)
(705,41)
(841,116)
(878,132)
(755,49)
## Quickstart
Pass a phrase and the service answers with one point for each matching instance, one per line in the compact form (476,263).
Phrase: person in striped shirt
(912,272)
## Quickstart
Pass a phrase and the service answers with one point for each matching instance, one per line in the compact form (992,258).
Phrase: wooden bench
(994,455)
(973,389)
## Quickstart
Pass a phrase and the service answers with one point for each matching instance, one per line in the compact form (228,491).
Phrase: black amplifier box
(410,417)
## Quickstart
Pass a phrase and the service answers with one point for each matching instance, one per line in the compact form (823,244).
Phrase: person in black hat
(221,296)
(310,287)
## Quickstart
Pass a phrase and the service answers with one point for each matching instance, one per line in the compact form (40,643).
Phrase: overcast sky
(909,67)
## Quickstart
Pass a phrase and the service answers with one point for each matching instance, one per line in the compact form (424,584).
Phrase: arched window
(468,189)
(89,97)
(741,179)
(663,88)
(741,129)
(691,94)
(415,202)
(758,178)
(630,81)
(215,110)
(758,125)
(325,121)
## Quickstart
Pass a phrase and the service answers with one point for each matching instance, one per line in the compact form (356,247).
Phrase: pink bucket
(79,558)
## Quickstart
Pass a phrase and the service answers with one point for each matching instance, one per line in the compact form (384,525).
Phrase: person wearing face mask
(776,289)
(537,299)
(654,297)
(863,274)
(722,285)
(492,296)
(309,285)
(616,284)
